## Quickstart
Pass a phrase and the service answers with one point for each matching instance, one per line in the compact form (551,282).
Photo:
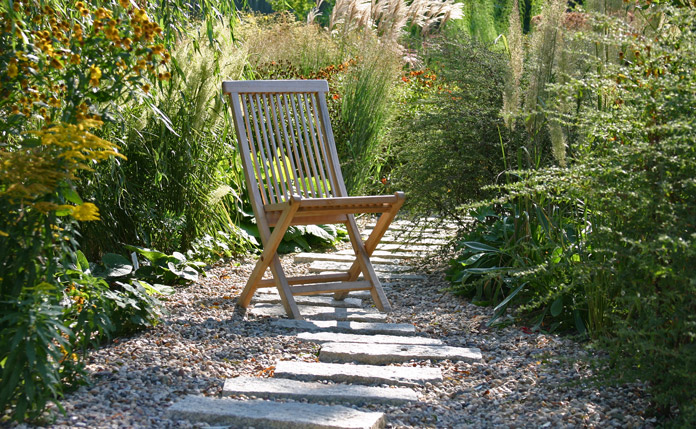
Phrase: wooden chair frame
(294,177)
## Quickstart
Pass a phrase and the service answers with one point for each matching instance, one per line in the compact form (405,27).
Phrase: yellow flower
(95,73)
(85,212)
(12,70)
(146,88)
(124,3)
(56,64)
(75,59)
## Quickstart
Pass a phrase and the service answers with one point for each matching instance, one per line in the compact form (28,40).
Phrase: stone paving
(356,347)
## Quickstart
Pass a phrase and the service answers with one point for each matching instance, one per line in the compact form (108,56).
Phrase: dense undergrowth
(565,134)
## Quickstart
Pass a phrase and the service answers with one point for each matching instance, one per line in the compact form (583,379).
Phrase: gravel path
(526,379)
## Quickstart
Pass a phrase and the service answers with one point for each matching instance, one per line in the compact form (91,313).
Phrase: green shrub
(629,197)
(449,147)
(183,178)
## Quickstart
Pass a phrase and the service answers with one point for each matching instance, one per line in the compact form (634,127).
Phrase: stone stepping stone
(405,248)
(388,277)
(381,354)
(409,226)
(320,266)
(312,391)
(334,257)
(348,327)
(335,337)
(322,313)
(415,240)
(414,235)
(363,374)
(383,254)
(273,415)
(272,297)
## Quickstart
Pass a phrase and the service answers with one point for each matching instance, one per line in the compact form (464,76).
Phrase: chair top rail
(274,86)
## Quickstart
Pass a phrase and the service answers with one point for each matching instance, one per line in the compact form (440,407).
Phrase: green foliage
(608,241)
(301,8)
(366,93)
(446,141)
(182,180)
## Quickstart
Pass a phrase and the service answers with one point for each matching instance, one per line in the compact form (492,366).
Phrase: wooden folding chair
(294,178)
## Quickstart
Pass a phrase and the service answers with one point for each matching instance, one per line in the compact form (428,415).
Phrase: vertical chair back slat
(332,155)
(290,148)
(308,136)
(323,144)
(267,154)
(277,142)
(316,142)
(293,144)
(301,145)
(248,148)
(259,152)
(299,185)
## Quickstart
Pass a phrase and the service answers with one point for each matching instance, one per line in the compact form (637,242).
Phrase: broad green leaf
(480,247)
(71,195)
(319,233)
(556,255)
(557,307)
(82,263)
(149,254)
(116,265)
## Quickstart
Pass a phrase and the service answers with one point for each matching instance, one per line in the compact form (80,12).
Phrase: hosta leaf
(116,265)
(557,307)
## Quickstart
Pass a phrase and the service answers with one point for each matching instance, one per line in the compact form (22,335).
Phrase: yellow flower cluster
(62,48)
(33,173)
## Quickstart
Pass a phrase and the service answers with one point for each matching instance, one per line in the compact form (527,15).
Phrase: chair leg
(283,286)
(364,264)
(269,257)
(373,240)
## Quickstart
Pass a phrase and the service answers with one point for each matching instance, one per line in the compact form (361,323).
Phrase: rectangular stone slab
(301,258)
(314,300)
(381,354)
(415,249)
(322,313)
(273,415)
(384,254)
(362,374)
(313,391)
(415,235)
(414,240)
(335,337)
(350,327)
(319,266)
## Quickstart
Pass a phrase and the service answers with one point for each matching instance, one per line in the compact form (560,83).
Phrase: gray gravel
(525,379)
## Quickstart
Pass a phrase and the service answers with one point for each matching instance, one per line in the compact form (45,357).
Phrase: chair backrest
(285,139)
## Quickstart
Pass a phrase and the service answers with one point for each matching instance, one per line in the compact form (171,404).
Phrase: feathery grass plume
(558,142)
(364,113)
(314,13)
(511,95)
(546,41)
(388,18)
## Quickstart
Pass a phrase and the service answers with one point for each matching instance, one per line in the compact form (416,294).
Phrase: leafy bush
(60,68)
(182,179)
(449,147)
(620,249)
